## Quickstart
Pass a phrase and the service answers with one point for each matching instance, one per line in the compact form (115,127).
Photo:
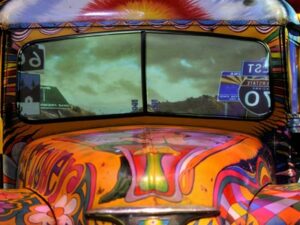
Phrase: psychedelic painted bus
(136,112)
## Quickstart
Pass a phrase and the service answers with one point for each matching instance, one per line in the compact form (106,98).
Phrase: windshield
(144,72)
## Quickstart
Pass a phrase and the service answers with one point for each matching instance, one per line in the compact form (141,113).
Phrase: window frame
(143,52)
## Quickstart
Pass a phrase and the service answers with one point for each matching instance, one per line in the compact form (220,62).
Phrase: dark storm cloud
(74,56)
(104,47)
(95,78)
(67,46)
(66,57)
(196,61)
(131,87)
(170,52)
(183,57)
(112,47)
(87,89)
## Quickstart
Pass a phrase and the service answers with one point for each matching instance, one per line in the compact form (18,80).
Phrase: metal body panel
(74,168)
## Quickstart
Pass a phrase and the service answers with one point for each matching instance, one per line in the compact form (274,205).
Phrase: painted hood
(148,165)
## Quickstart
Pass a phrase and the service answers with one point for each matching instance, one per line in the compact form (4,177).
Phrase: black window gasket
(145,112)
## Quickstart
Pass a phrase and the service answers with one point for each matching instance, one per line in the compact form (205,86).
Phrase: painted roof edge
(16,13)
(139,23)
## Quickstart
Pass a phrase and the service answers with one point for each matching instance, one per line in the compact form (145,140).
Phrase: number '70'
(252,98)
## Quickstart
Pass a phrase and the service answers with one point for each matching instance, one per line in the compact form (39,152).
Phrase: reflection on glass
(84,76)
(192,75)
(211,76)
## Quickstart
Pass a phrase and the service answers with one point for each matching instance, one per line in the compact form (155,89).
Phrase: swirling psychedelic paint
(21,207)
(161,161)
(68,186)
(276,204)
(236,187)
(29,131)
(80,163)
(126,167)
(120,167)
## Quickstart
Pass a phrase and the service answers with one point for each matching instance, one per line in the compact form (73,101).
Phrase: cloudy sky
(191,65)
(91,73)
(103,73)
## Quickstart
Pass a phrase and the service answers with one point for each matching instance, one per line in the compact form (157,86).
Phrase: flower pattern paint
(137,155)
(63,210)
(42,216)
(17,206)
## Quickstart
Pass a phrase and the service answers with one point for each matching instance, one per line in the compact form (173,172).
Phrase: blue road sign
(229,86)
(255,68)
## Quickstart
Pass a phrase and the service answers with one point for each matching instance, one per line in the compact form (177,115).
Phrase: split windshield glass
(163,73)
